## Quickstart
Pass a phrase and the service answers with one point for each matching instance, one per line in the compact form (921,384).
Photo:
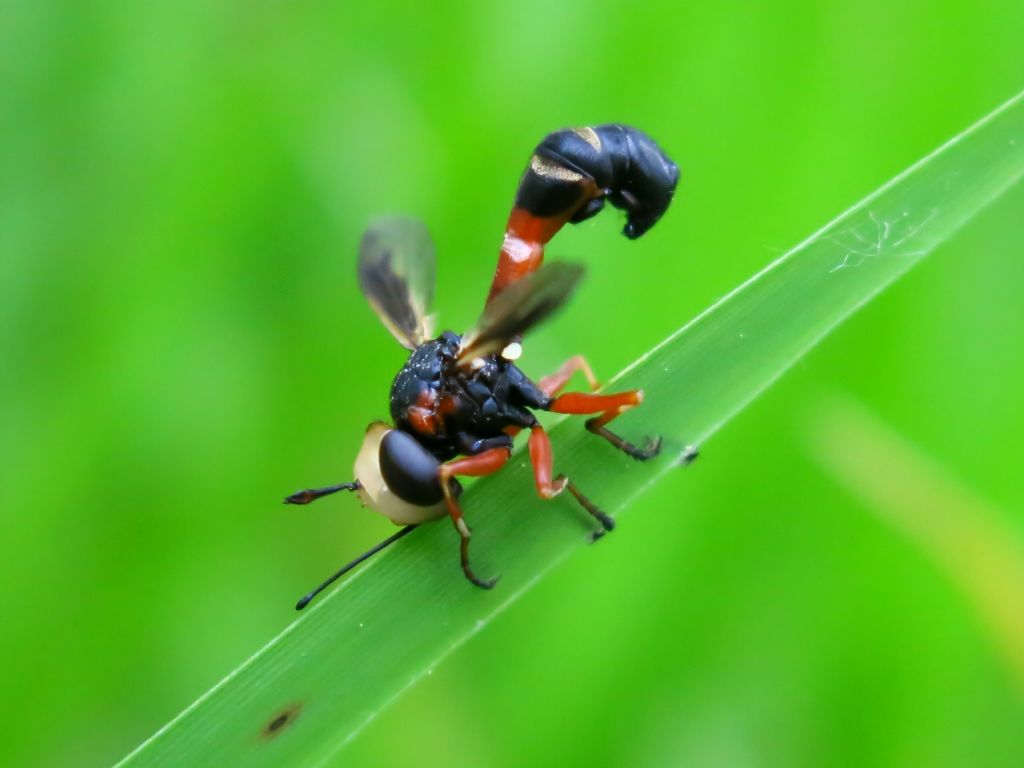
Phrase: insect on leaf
(311,690)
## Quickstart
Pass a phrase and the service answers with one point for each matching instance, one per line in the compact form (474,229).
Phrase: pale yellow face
(374,492)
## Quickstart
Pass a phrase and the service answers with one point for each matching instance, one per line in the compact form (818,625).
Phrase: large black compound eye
(410,471)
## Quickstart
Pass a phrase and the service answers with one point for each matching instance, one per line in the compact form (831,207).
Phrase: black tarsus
(651,448)
(467,570)
(349,566)
(607,521)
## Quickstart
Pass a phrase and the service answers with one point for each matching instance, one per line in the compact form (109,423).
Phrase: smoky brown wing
(396,274)
(520,307)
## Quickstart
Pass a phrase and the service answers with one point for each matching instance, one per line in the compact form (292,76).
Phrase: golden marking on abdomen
(590,136)
(550,170)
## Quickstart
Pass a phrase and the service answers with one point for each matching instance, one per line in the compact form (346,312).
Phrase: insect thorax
(436,399)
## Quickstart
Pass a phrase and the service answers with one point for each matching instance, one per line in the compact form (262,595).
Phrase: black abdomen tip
(573,171)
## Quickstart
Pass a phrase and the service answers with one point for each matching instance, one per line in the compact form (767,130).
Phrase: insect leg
(543,462)
(554,383)
(312,494)
(485,463)
(609,407)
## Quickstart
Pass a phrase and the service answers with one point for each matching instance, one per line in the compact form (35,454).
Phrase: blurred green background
(182,342)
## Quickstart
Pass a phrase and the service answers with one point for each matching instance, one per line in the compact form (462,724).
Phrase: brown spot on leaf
(281,720)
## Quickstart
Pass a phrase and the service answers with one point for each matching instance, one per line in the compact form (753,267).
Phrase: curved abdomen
(571,175)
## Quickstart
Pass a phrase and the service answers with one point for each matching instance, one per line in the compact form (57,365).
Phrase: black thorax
(454,408)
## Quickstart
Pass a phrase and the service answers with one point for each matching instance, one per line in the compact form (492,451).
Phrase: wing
(396,274)
(519,307)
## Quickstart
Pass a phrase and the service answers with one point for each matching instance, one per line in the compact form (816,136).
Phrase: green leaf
(389,624)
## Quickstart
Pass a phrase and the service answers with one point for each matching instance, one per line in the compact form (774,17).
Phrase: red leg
(553,384)
(543,463)
(486,463)
(586,402)
(610,407)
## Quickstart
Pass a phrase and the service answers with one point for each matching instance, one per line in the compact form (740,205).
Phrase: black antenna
(349,566)
(312,494)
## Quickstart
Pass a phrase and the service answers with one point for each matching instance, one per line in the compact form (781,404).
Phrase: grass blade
(311,690)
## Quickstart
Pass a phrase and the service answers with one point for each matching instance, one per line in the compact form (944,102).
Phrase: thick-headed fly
(458,401)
